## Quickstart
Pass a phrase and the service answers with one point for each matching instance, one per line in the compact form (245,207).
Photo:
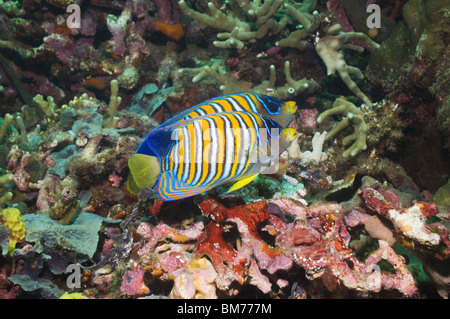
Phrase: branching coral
(309,24)
(47,107)
(238,31)
(353,116)
(317,146)
(114,101)
(289,90)
(3,180)
(329,48)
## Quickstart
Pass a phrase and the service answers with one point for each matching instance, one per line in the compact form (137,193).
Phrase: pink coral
(168,11)
(323,244)
(133,283)
(116,180)
(47,193)
(308,118)
(201,260)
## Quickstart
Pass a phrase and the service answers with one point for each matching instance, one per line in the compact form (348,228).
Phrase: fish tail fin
(144,172)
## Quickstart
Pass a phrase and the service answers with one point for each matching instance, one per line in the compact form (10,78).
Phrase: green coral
(353,117)
(246,21)
(12,8)
(7,120)
(5,194)
(238,29)
(290,89)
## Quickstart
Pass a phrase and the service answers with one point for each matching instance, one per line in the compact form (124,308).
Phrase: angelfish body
(195,151)
(279,111)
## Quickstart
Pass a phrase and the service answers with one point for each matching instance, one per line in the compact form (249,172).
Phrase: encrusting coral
(317,240)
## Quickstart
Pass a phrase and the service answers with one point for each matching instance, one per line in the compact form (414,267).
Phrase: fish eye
(272,104)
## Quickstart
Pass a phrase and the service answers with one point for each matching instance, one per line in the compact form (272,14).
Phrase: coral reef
(358,208)
(261,14)
(289,90)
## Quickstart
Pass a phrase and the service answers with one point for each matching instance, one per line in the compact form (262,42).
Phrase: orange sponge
(173,31)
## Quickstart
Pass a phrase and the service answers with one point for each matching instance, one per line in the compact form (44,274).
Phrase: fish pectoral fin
(241,183)
(145,171)
(131,185)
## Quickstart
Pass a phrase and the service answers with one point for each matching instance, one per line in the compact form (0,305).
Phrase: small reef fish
(213,143)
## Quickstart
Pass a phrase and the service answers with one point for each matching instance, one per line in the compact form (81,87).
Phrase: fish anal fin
(241,183)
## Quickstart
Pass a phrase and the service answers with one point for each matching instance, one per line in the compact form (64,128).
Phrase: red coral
(248,218)
(380,201)
(428,209)
(223,255)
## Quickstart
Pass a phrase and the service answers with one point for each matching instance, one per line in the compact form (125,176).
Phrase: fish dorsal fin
(144,170)
(241,183)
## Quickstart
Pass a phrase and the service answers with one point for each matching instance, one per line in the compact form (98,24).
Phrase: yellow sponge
(12,219)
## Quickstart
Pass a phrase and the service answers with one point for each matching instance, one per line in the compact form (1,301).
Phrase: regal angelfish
(220,141)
